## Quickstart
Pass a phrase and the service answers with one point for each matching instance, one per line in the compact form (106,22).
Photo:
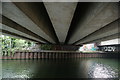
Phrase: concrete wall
(58,55)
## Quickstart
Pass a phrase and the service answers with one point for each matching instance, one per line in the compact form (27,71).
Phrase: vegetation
(10,44)
(46,47)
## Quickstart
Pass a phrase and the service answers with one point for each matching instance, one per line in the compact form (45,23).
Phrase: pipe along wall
(56,55)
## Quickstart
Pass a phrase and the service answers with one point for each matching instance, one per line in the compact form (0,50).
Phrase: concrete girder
(4,32)
(18,27)
(91,22)
(97,16)
(14,31)
(61,14)
(108,30)
(38,14)
(11,11)
(113,36)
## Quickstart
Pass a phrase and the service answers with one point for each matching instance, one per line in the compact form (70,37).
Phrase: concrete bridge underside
(69,23)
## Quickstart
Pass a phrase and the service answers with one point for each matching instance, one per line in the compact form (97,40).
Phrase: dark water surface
(61,68)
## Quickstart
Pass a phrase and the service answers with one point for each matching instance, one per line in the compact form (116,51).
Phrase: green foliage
(10,45)
(46,47)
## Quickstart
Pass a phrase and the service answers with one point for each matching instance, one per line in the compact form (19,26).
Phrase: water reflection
(76,68)
(102,71)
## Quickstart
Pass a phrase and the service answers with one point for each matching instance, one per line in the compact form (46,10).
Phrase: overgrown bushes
(10,44)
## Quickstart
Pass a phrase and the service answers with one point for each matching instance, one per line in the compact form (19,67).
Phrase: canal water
(61,68)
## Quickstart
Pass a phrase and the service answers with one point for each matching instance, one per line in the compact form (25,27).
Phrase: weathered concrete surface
(58,54)
(38,14)
(5,27)
(15,14)
(61,15)
(18,27)
(5,32)
(98,15)
(106,31)
(60,23)
(113,36)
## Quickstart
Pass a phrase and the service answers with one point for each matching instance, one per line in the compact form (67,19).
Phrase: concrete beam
(78,15)
(18,27)
(108,30)
(95,17)
(13,34)
(12,12)
(38,14)
(61,14)
(91,21)
(4,27)
(113,36)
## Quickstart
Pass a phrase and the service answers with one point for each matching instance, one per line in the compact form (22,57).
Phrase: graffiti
(110,48)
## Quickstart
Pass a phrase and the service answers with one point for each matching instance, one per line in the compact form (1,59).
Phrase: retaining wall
(57,54)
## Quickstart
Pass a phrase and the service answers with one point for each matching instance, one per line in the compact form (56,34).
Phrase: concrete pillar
(15,55)
(22,55)
(52,55)
(42,55)
(39,55)
(30,55)
(35,55)
(49,55)
(18,55)
(27,55)
(56,55)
